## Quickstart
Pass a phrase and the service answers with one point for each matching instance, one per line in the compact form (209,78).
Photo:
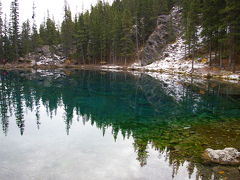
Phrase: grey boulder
(227,156)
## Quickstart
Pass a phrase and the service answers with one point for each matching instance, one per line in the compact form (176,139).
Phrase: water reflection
(165,115)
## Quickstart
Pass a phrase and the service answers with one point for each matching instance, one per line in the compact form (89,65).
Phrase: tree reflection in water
(168,114)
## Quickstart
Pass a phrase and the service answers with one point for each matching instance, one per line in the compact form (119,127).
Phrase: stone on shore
(227,156)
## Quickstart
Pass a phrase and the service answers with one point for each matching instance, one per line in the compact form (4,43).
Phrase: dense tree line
(217,22)
(104,34)
(110,33)
(115,33)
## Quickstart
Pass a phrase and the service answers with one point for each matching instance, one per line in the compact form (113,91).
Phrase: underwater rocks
(227,156)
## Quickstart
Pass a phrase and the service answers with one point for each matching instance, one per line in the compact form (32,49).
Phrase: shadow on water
(177,116)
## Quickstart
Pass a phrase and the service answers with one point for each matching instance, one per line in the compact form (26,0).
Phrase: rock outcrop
(227,156)
(168,27)
(46,55)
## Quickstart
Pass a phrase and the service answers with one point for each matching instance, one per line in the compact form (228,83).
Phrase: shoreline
(210,74)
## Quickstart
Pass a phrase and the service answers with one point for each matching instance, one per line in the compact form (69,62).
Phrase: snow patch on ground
(173,59)
(234,77)
(111,67)
(55,60)
(199,32)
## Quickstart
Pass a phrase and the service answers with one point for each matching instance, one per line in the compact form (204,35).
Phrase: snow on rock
(54,60)
(227,156)
(136,66)
(113,68)
(164,56)
(173,59)
(199,32)
(160,37)
(235,77)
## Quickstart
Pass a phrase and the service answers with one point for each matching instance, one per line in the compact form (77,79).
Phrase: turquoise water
(71,124)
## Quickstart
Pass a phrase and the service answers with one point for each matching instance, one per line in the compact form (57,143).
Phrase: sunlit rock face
(168,27)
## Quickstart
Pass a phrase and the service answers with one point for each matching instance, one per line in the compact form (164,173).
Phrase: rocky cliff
(46,55)
(168,28)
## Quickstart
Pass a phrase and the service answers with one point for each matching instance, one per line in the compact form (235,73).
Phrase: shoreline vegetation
(210,73)
(189,38)
(163,32)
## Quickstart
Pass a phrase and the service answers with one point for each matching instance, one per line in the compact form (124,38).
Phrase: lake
(82,124)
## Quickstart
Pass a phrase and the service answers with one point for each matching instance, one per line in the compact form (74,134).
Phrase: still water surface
(109,125)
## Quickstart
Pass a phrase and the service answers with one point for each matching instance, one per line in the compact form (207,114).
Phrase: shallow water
(109,125)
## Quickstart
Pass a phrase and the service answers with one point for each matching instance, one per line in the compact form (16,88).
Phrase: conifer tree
(232,21)
(1,34)
(127,44)
(14,30)
(35,39)
(81,39)
(67,30)
(26,38)
(6,41)
(49,33)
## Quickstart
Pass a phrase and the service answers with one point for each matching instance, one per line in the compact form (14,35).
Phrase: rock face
(227,156)
(46,55)
(168,27)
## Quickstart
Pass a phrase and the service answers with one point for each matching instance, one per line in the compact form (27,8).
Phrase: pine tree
(49,33)
(213,31)
(81,39)
(67,31)
(14,31)
(127,44)
(52,32)
(1,34)
(7,50)
(26,38)
(35,38)
(191,22)
(42,33)
(232,19)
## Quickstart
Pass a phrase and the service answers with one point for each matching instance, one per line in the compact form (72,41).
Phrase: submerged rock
(227,156)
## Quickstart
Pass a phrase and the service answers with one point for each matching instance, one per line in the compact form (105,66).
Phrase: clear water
(108,125)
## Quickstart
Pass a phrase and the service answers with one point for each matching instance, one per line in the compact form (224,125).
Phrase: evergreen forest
(115,33)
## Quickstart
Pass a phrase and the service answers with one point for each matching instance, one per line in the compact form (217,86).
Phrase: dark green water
(110,125)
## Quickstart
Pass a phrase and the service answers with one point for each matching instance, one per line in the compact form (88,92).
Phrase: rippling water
(70,124)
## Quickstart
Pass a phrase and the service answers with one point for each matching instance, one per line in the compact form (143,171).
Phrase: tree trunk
(220,55)
(193,58)
(137,41)
(210,53)
(233,60)
(185,53)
